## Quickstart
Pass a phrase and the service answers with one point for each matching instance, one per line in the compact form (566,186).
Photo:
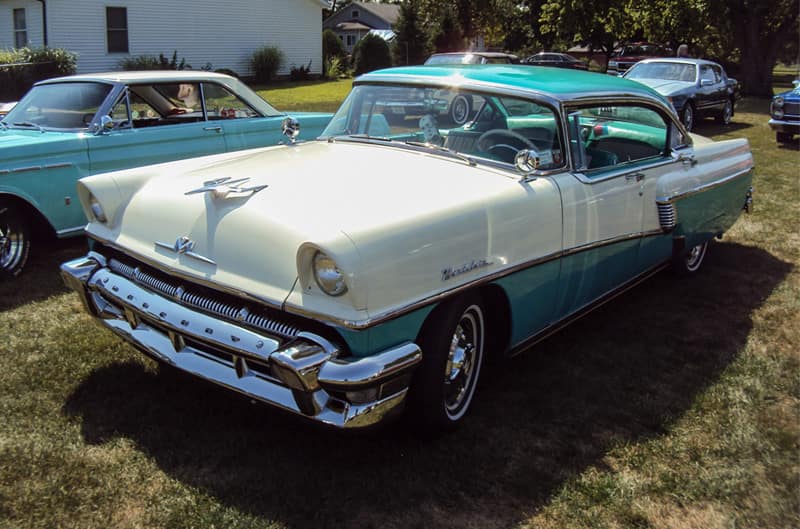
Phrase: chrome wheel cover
(688,117)
(459,111)
(463,362)
(727,113)
(695,257)
(12,245)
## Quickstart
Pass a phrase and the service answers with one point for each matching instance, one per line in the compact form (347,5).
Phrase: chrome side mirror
(527,161)
(291,128)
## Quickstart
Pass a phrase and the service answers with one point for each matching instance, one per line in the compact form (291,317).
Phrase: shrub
(335,68)
(332,46)
(150,62)
(300,73)
(18,77)
(265,63)
(371,53)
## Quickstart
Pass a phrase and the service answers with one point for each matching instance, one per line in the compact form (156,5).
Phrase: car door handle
(688,159)
(634,177)
(215,129)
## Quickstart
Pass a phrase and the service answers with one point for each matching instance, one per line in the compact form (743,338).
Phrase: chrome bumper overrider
(304,374)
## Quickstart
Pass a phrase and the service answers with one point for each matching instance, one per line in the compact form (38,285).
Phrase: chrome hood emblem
(185,246)
(225,187)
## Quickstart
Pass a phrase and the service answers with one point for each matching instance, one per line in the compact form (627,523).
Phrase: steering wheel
(503,143)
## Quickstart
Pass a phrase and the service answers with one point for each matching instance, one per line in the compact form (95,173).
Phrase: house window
(351,40)
(20,29)
(354,14)
(117,29)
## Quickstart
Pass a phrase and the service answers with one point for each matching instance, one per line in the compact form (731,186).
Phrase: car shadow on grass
(41,278)
(622,374)
(709,127)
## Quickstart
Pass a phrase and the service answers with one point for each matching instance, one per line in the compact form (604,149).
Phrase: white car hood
(336,196)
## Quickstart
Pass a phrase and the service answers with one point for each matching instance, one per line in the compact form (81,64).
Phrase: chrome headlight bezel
(327,275)
(778,102)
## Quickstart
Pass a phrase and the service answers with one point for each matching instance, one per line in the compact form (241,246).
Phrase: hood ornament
(225,187)
(185,246)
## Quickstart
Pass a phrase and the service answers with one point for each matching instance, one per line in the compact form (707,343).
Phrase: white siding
(33,18)
(224,34)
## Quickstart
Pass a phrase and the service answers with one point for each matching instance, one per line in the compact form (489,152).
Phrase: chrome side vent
(667,217)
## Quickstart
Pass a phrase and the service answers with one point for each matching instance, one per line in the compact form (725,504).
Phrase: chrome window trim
(626,169)
(705,187)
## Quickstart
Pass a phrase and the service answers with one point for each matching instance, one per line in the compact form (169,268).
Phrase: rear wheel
(686,263)
(15,240)
(452,344)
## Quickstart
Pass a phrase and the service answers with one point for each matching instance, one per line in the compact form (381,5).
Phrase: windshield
(644,49)
(480,125)
(672,71)
(68,106)
(454,58)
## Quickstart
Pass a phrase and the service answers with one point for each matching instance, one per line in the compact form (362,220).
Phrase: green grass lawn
(675,406)
(319,96)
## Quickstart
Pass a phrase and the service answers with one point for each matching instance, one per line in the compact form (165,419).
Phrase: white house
(223,33)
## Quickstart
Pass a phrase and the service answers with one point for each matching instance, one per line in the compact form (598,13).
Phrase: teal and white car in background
(378,267)
(71,127)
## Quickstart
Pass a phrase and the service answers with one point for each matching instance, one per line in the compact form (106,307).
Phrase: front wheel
(15,240)
(452,344)
(691,261)
(687,116)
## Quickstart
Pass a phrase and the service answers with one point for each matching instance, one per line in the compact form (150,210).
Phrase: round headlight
(97,209)
(778,101)
(328,276)
(777,113)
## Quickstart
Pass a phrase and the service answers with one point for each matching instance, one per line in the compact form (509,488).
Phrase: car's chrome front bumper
(304,375)
(781,125)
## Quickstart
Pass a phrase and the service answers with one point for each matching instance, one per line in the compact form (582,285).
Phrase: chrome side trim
(441,296)
(67,232)
(27,169)
(711,185)
(58,165)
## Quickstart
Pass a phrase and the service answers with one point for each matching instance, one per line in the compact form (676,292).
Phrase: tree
(332,45)
(760,30)
(447,33)
(599,24)
(411,43)
(371,53)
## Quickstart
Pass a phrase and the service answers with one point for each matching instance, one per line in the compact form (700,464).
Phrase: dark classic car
(630,54)
(785,112)
(70,127)
(695,87)
(557,60)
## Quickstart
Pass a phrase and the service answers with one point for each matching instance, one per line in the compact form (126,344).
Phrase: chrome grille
(192,296)
(791,109)
(667,217)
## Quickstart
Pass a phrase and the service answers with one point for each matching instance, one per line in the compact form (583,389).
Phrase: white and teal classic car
(70,127)
(377,268)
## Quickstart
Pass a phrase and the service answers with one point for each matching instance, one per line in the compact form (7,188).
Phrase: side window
(706,74)
(142,113)
(717,74)
(604,137)
(221,104)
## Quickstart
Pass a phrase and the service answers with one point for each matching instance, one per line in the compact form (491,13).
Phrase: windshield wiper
(444,150)
(28,124)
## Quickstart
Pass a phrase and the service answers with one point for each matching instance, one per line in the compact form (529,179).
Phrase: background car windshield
(59,105)
(497,127)
(672,71)
(454,58)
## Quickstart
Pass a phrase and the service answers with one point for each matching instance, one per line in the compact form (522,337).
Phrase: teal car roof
(560,83)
